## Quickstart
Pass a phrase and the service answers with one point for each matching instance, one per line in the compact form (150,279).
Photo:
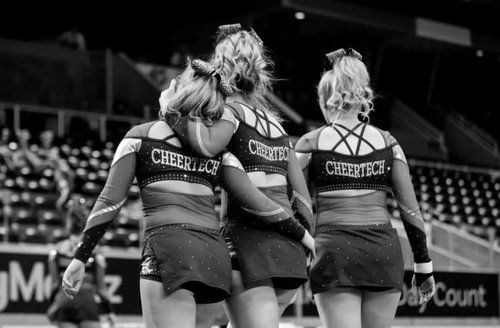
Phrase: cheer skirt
(188,257)
(265,257)
(364,256)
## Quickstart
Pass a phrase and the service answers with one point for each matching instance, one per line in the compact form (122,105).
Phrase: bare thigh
(208,315)
(252,308)
(379,308)
(160,310)
(340,307)
(285,298)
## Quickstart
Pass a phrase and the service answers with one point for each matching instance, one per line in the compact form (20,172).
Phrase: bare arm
(301,199)
(204,140)
(102,290)
(53,271)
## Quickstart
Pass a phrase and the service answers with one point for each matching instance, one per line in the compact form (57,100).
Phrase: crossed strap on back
(261,119)
(343,137)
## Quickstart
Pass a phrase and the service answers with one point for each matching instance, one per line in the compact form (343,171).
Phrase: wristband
(423,267)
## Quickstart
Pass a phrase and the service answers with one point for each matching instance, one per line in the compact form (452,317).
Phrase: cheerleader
(357,276)
(185,260)
(82,310)
(267,267)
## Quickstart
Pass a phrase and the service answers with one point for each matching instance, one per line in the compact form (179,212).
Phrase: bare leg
(340,307)
(253,308)
(208,315)
(379,308)
(176,310)
(285,298)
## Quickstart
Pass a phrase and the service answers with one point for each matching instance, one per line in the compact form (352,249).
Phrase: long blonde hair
(344,88)
(198,96)
(242,59)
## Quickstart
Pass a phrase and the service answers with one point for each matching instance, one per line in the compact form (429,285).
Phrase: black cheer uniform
(263,256)
(183,246)
(356,244)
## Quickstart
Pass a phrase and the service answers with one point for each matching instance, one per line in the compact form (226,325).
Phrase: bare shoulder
(377,137)
(309,141)
(159,130)
(140,130)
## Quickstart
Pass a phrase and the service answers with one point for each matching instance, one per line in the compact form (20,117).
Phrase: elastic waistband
(329,227)
(178,226)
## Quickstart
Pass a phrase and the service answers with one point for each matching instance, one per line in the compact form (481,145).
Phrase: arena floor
(39,321)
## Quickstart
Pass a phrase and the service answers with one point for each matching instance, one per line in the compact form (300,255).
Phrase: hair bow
(332,57)
(224,31)
(203,68)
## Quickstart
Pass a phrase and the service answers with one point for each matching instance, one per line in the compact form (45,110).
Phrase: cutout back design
(263,123)
(351,132)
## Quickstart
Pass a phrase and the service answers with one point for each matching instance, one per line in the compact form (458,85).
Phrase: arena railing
(14,119)
(486,254)
(476,132)
(469,143)
(418,136)
(50,75)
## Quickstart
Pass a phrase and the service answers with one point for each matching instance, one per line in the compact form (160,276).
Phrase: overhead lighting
(479,53)
(300,15)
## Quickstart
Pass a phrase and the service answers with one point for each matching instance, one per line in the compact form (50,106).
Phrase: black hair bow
(332,57)
(203,68)
(224,31)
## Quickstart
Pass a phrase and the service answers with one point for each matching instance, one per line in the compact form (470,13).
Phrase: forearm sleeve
(111,199)
(301,199)
(241,190)
(204,140)
(410,211)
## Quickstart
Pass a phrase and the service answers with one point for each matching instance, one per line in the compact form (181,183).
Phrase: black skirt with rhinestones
(364,256)
(265,257)
(188,257)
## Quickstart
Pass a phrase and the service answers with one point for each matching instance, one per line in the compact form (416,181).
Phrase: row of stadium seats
(469,200)
(456,196)
(29,198)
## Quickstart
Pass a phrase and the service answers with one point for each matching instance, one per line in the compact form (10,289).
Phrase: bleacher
(456,195)
(29,197)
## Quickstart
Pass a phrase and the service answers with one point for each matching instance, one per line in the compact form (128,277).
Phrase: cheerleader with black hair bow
(185,260)
(268,267)
(357,276)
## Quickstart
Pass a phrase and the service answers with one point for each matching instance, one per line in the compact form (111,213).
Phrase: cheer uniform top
(355,232)
(183,247)
(262,256)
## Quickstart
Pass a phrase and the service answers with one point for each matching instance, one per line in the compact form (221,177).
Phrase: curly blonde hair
(196,96)
(345,88)
(241,58)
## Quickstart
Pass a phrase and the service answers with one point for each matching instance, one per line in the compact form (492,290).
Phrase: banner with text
(25,288)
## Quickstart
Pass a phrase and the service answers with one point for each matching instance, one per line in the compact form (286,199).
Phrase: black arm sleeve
(408,207)
(252,200)
(110,201)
